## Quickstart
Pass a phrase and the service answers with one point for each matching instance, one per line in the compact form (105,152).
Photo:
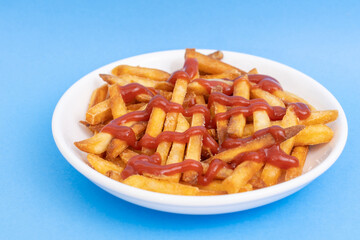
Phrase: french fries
(172,139)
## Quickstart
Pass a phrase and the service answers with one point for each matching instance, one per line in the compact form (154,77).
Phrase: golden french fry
(210,65)
(93,128)
(178,149)
(126,79)
(291,98)
(217,55)
(161,186)
(254,145)
(300,153)
(114,175)
(231,74)
(127,154)
(268,97)
(238,122)
(320,117)
(271,173)
(154,74)
(314,134)
(221,125)
(117,104)
(101,165)
(253,71)
(241,176)
(99,113)
(194,146)
(136,106)
(97,144)
(98,95)
(117,146)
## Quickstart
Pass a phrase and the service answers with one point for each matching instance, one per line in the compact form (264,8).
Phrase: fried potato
(160,186)
(101,165)
(254,145)
(98,95)
(99,113)
(210,65)
(314,134)
(151,73)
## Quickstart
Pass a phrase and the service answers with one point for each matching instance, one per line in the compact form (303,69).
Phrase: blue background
(46,47)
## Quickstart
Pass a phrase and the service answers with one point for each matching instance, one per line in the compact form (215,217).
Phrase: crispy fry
(127,154)
(154,74)
(300,153)
(114,175)
(194,146)
(320,117)
(254,145)
(253,71)
(161,186)
(135,107)
(117,146)
(314,134)
(93,128)
(178,149)
(210,65)
(98,95)
(221,125)
(270,173)
(99,113)
(117,104)
(231,74)
(241,176)
(101,165)
(126,79)
(268,97)
(291,98)
(238,122)
(218,55)
(98,143)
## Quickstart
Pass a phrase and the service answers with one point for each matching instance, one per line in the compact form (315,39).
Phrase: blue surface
(46,47)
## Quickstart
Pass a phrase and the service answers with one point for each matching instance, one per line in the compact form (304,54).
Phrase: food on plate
(209,128)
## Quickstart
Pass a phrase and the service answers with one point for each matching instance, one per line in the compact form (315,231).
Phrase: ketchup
(130,91)
(208,85)
(248,107)
(189,71)
(150,142)
(272,155)
(277,132)
(265,82)
(158,101)
(149,164)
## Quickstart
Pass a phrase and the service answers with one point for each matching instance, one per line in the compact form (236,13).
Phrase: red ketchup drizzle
(130,91)
(167,136)
(208,85)
(188,72)
(277,132)
(302,110)
(159,101)
(146,164)
(265,82)
(244,106)
(273,155)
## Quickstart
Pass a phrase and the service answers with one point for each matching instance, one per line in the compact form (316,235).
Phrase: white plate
(72,107)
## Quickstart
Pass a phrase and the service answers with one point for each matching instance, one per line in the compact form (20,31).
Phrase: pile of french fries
(109,155)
